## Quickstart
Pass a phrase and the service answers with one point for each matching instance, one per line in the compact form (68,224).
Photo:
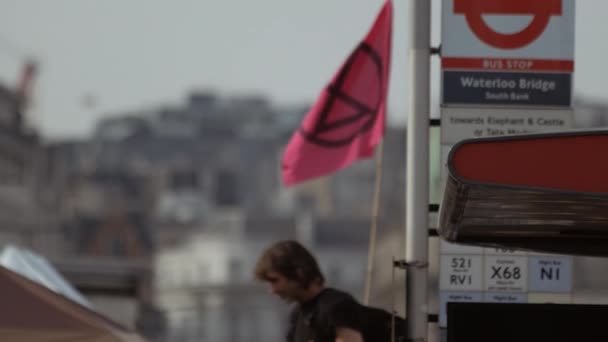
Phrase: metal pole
(367,294)
(417,194)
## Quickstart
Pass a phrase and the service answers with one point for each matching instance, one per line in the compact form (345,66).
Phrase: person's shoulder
(332,298)
(341,310)
(336,295)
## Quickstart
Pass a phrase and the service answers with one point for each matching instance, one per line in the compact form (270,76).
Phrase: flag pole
(417,193)
(374,224)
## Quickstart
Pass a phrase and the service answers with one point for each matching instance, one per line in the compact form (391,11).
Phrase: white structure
(38,269)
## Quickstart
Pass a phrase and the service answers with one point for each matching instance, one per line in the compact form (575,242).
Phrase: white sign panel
(461,273)
(533,29)
(459,123)
(506,274)
(550,274)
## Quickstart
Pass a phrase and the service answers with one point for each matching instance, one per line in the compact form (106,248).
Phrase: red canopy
(34,313)
(543,192)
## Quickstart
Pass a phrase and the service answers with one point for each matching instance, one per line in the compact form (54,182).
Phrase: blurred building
(27,214)
(225,152)
(109,242)
(33,196)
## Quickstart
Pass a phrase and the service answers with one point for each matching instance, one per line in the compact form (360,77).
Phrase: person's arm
(346,320)
(348,335)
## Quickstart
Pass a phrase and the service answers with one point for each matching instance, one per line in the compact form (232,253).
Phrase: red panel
(577,163)
(508,6)
(509,64)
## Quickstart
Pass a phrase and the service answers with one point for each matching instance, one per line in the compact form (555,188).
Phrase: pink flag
(347,120)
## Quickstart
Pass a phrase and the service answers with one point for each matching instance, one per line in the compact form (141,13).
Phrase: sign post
(417,192)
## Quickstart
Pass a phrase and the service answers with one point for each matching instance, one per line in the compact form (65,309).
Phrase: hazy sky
(112,56)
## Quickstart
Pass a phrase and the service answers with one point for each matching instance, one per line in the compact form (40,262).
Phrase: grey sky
(137,54)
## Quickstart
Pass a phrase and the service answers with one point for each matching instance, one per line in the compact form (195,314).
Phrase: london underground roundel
(541,12)
(539,29)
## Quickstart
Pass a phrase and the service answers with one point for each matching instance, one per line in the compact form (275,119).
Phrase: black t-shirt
(317,319)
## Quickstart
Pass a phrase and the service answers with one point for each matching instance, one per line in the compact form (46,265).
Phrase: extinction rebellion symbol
(540,10)
(352,107)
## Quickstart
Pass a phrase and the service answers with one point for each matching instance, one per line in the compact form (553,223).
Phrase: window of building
(184,179)
(226,189)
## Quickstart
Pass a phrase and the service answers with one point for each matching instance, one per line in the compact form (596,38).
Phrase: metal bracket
(436,50)
(402,264)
